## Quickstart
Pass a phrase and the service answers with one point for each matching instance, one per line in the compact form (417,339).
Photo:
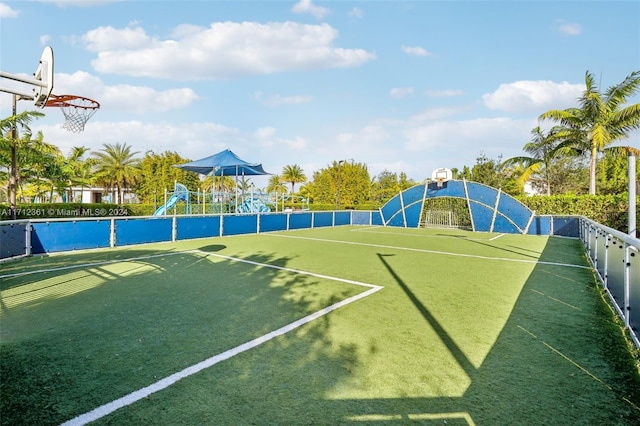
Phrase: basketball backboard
(441,174)
(42,80)
(44,74)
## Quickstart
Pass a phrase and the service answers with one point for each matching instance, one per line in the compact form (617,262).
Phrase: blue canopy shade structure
(224,163)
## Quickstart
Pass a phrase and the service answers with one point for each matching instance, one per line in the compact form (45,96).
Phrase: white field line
(164,383)
(444,253)
(369,231)
(496,237)
(88,265)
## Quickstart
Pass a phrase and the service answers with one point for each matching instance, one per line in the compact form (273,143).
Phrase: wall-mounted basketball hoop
(77,110)
(441,175)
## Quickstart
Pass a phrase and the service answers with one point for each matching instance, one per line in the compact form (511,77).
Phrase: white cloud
(106,40)
(356,12)
(7,12)
(458,142)
(123,97)
(45,39)
(275,100)
(266,138)
(570,29)
(533,96)
(415,51)
(401,92)
(222,50)
(443,93)
(306,6)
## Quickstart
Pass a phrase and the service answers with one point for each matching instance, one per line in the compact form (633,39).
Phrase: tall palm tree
(117,166)
(293,174)
(80,168)
(275,185)
(542,150)
(601,120)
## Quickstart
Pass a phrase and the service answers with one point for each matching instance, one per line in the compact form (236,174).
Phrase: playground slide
(170,203)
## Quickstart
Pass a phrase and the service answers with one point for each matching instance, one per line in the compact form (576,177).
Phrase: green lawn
(466,328)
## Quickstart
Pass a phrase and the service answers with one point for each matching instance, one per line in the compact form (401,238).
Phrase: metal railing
(616,259)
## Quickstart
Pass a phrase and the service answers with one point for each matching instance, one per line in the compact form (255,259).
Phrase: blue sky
(403,86)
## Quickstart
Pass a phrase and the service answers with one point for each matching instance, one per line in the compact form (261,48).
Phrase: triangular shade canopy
(224,163)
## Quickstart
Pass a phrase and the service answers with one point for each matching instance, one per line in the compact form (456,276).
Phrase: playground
(185,202)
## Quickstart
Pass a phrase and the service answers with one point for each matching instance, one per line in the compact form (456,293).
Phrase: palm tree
(80,168)
(117,166)
(41,161)
(275,185)
(599,121)
(542,148)
(293,174)
(9,135)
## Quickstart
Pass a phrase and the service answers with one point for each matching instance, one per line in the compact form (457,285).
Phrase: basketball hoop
(440,176)
(77,110)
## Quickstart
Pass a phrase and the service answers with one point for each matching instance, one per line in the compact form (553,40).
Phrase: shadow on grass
(68,351)
(559,359)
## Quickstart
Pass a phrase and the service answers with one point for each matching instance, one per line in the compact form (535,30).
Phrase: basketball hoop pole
(13,177)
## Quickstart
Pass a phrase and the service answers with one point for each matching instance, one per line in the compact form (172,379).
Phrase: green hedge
(608,210)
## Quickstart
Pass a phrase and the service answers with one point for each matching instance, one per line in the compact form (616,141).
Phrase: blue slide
(181,194)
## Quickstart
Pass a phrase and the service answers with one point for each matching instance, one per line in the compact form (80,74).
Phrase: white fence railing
(616,258)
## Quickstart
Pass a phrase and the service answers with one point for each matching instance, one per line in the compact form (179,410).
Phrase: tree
(613,173)
(384,187)
(293,174)
(158,173)
(117,167)
(600,120)
(488,171)
(542,150)
(275,185)
(80,169)
(9,134)
(342,183)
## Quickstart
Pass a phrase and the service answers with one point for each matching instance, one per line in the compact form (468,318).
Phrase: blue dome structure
(490,209)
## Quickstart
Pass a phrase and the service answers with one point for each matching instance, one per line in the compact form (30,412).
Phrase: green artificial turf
(468,329)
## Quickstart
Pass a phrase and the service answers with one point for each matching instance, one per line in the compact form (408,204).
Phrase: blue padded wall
(322,219)
(143,230)
(517,212)
(189,227)
(13,239)
(391,208)
(361,218)
(342,218)
(300,220)
(236,225)
(481,216)
(48,237)
(412,214)
(482,194)
(541,225)
(412,195)
(566,226)
(503,224)
(273,222)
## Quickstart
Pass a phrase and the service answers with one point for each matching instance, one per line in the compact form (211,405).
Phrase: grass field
(346,325)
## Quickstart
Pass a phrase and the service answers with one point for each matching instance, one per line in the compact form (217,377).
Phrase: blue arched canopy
(491,210)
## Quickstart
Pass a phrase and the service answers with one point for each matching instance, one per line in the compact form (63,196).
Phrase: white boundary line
(370,231)
(164,383)
(444,253)
(87,265)
(496,237)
